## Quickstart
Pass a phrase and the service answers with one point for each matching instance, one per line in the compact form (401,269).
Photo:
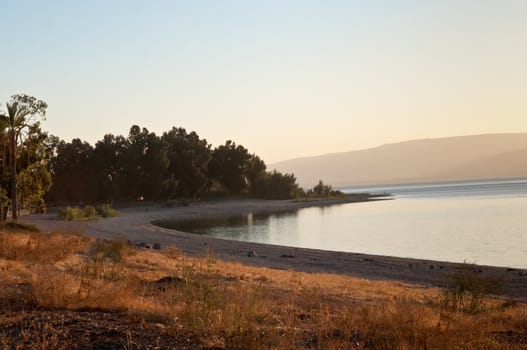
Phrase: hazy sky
(284,78)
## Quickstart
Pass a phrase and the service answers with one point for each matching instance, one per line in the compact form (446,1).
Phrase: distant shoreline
(135,224)
(404,183)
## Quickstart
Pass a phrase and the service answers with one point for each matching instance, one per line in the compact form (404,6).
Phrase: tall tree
(229,166)
(34,178)
(188,157)
(109,156)
(72,170)
(22,113)
(4,183)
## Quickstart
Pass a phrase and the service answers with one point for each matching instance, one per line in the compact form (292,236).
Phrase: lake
(483,222)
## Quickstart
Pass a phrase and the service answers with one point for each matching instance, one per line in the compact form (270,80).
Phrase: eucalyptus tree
(72,171)
(109,164)
(23,112)
(34,177)
(229,166)
(189,156)
(4,182)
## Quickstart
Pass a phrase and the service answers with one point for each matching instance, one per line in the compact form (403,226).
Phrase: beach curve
(135,224)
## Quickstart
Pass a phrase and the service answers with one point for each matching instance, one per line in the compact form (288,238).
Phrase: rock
(170,280)
(157,246)
(288,256)
(251,253)
(339,334)
(141,244)
(304,317)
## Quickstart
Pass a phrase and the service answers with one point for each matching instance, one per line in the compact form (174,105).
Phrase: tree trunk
(3,213)
(14,210)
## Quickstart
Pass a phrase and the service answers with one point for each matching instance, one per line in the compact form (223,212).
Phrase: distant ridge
(449,158)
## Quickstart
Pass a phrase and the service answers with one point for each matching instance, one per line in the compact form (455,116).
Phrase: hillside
(451,158)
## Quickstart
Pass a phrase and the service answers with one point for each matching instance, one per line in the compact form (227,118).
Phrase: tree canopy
(36,167)
(23,155)
(145,166)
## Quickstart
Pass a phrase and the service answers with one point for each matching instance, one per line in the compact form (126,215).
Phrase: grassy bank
(64,290)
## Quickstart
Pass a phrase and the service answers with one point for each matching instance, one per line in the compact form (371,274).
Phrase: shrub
(113,251)
(106,211)
(275,185)
(70,213)
(322,190)
(104,261)
(467,289)
(89,211)
(202,299)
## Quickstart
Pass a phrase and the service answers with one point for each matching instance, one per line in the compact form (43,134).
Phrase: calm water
(483,222)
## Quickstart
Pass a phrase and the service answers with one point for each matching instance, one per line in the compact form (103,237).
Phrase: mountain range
(487,156)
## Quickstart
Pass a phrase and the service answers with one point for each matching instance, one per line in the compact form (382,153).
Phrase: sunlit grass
(233,306)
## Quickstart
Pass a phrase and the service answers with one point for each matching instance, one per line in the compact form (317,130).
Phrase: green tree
(189,157)
(4,178)
(256,173)
(155,163)
(146,163)
(108,164)
(34,178)
(229,166)
(73,173)
(22,113)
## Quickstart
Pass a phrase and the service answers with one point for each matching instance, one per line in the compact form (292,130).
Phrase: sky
(284,78)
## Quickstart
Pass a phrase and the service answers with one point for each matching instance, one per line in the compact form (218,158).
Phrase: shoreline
(135,224)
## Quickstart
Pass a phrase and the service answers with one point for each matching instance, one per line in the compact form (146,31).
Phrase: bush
(106,211)
(70,213)
(467,289)
(113,251)
(275,185)
(76,213)
(105,260)
(89,211)
(322,190)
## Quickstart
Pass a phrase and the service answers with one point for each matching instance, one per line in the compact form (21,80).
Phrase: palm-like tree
(21,113)
(3,165)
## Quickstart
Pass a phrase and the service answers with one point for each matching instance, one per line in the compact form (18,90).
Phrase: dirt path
(135,224)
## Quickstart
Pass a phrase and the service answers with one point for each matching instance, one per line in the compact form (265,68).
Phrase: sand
(135,224)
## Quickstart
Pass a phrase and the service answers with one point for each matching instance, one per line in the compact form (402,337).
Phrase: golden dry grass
(232,306)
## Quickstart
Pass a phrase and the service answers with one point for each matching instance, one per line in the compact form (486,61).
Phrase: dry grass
(38,247)
(232,306)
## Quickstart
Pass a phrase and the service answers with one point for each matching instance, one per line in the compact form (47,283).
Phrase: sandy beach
(135,224)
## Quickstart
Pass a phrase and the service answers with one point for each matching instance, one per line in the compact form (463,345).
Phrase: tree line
(146,166)
(36,167)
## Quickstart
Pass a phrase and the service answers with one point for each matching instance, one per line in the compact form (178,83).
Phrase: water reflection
(261,228)
(489,230)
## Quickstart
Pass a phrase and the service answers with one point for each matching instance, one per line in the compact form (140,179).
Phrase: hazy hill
(451,158)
